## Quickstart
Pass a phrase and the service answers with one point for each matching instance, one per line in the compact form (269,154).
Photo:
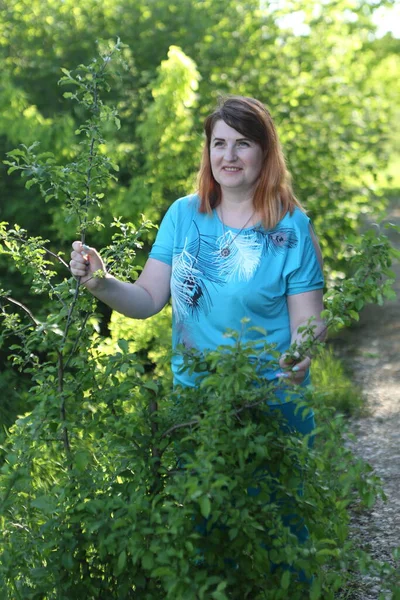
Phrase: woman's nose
(230,153)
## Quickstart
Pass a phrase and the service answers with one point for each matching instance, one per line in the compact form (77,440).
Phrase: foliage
(165,131)
(333,385)
(115,486)
(120,519)
(150,340)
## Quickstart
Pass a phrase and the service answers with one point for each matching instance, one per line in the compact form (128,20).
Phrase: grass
(333,383)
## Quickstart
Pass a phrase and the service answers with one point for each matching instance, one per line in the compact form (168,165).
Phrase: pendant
(225,252)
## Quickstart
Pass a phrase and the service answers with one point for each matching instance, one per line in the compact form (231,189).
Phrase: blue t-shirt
(221,275)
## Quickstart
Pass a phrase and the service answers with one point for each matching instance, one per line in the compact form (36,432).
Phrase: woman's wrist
(98,282)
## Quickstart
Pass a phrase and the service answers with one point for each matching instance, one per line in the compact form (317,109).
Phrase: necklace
(226,250)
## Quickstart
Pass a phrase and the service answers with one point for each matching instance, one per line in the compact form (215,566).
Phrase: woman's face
(236,161)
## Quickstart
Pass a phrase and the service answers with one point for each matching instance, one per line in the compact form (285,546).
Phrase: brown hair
(273,196)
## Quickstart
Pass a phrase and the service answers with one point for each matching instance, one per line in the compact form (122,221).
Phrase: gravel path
(372,348)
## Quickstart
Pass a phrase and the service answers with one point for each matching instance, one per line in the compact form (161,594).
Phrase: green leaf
(354,315)
(205,506)
(285,580)
(150,385)
(148,560)
(81,460)
(121,562)
(12,169)
(163,572)
(67,561)
(30,183)
(233,533)
(123,345)
(44,503)
(328,552)
(315,591)
(219,596)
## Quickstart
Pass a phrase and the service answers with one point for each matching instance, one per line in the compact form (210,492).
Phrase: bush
(157,503)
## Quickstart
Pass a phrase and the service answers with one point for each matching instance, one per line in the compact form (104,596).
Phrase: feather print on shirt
(202,248)
(243,258)
(192,269)
(278,240)
(201,263)
(188,291)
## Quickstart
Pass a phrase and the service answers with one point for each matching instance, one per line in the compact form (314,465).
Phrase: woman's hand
(294,369)
(84,263)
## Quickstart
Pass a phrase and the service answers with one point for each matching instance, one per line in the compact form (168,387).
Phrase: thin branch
(61,366)
(174,427)
(250,406)
(155,451)
(70,312)
(87,186)
(88,174)
(91,150)
(81,330)
(53,289)
(24,308)
(153,408)
(17,332)
(136,444)
(63,414)
(57,256)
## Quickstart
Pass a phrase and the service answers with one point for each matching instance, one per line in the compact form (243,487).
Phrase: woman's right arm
(139,300)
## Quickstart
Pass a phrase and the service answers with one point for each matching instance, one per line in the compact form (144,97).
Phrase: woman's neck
(234,211)
(236,199)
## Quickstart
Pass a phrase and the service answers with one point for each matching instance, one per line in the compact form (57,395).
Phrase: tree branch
(24,308)
(57,256)
(178,426)
(63,412)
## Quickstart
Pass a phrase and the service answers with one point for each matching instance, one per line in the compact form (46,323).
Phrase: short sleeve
(307,274)
(163,246)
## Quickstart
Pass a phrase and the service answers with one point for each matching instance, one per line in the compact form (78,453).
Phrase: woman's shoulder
(189,203)
(298,218)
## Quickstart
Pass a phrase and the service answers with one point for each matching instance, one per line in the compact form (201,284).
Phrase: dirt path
(372,348)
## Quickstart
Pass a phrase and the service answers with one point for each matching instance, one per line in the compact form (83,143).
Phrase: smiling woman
(249,124)
(242,248)
(235,162)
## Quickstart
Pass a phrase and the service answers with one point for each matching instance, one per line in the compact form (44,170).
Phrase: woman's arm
(303,307)
(139,300)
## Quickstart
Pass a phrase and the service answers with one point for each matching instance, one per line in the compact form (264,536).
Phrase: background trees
(324,89)
(331,110)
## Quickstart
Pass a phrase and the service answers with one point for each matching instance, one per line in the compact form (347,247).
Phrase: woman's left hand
(293,369)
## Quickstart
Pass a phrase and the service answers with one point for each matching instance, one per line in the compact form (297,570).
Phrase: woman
(241,247)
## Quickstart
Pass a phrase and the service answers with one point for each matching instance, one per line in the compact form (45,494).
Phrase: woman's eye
(217,144)
(244,144)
